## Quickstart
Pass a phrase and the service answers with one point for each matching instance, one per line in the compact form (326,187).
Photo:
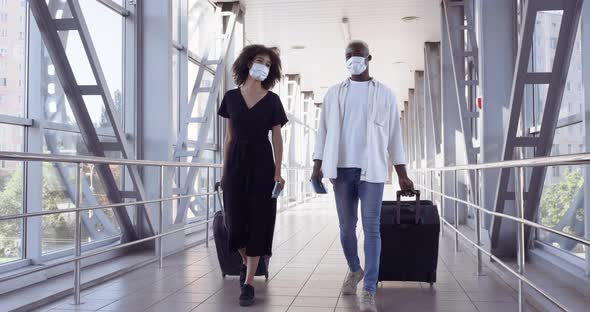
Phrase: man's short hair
(358,42)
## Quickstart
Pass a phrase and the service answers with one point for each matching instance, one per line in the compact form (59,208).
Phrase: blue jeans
(348,189)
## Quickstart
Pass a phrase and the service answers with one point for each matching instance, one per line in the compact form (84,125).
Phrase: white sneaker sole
(349,292)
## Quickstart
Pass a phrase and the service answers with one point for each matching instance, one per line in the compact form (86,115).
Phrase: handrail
(69,210)
(79,161)
(521,277)
(509,217)
(100,251)
(562,160)
(19,156)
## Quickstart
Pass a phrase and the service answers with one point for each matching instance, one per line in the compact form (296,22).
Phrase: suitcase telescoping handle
(218,191)
(418,214)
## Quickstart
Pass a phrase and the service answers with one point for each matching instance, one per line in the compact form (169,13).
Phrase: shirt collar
(347,82)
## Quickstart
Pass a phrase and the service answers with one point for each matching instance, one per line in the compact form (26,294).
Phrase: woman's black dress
(249,174)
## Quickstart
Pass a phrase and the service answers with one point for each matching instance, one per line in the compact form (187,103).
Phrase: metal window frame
(562,254)
(75,92)
(231,11)
(115,7)
(69,251)
(16,121)
(25,123)
(35,123)
(520,218)
(516,139)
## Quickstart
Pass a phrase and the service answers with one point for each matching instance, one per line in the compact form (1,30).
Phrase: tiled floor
(307,270)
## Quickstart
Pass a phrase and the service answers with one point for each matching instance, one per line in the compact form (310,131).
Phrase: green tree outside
(557,199)
(54,226)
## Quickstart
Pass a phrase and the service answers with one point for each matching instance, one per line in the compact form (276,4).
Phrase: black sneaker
(247,296)
(243,272)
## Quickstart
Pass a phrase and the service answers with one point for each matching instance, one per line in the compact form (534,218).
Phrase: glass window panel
(59,181)
(547,27)
(57,229)
(11,194)
(109,48)
(64,143)
(76,55)
(561,204)
(106,29)
(11,240)
(175,20)
(546,31)
(59,8)
(202,28)
(562,208)
(12,59)
(200,103)
(97,110)
(201,186)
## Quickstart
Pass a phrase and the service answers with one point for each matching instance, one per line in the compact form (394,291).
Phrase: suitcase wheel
(431,284)
(266,275)
(223,275)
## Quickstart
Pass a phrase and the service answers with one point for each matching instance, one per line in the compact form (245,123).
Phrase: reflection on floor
(307,270)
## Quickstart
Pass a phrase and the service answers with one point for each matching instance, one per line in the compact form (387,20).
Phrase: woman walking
(249,169)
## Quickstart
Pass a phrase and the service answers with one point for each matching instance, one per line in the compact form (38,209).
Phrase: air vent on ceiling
(410,18)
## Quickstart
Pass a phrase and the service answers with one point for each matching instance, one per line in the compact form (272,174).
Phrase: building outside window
(560,207)
(11,136)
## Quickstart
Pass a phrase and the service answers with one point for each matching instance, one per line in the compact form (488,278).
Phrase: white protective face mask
(259,71)
(356,65)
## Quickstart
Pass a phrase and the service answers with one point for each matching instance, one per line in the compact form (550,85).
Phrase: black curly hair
(241,67)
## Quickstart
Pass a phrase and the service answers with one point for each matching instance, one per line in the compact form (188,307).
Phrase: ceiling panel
(396,46)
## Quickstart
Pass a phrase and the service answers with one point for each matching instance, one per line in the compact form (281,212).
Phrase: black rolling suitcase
(230,261)
(409,240)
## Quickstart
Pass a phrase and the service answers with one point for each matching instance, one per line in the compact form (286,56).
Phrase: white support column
(419,98)
(130,86)
(34,144)
(158,131)
(432,97)
(586,80)
(450,115)
(412,129)
(497,40)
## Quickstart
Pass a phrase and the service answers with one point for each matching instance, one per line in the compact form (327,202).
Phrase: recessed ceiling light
(410,18)
(345,25)
(298,47)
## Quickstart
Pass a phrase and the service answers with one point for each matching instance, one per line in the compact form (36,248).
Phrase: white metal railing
(518,166)
(82,160)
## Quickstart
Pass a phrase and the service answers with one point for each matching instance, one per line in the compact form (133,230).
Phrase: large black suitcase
(230,262)
(409,240)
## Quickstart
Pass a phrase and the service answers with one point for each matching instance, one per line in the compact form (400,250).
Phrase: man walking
(360,127)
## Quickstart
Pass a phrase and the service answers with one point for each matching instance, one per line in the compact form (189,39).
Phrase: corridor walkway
(307,270)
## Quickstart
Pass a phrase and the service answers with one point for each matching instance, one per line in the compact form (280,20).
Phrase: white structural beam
(154,108)
(516,139)
(497,41)
(586,81)
(433,93)
(419,98)
(450,120)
